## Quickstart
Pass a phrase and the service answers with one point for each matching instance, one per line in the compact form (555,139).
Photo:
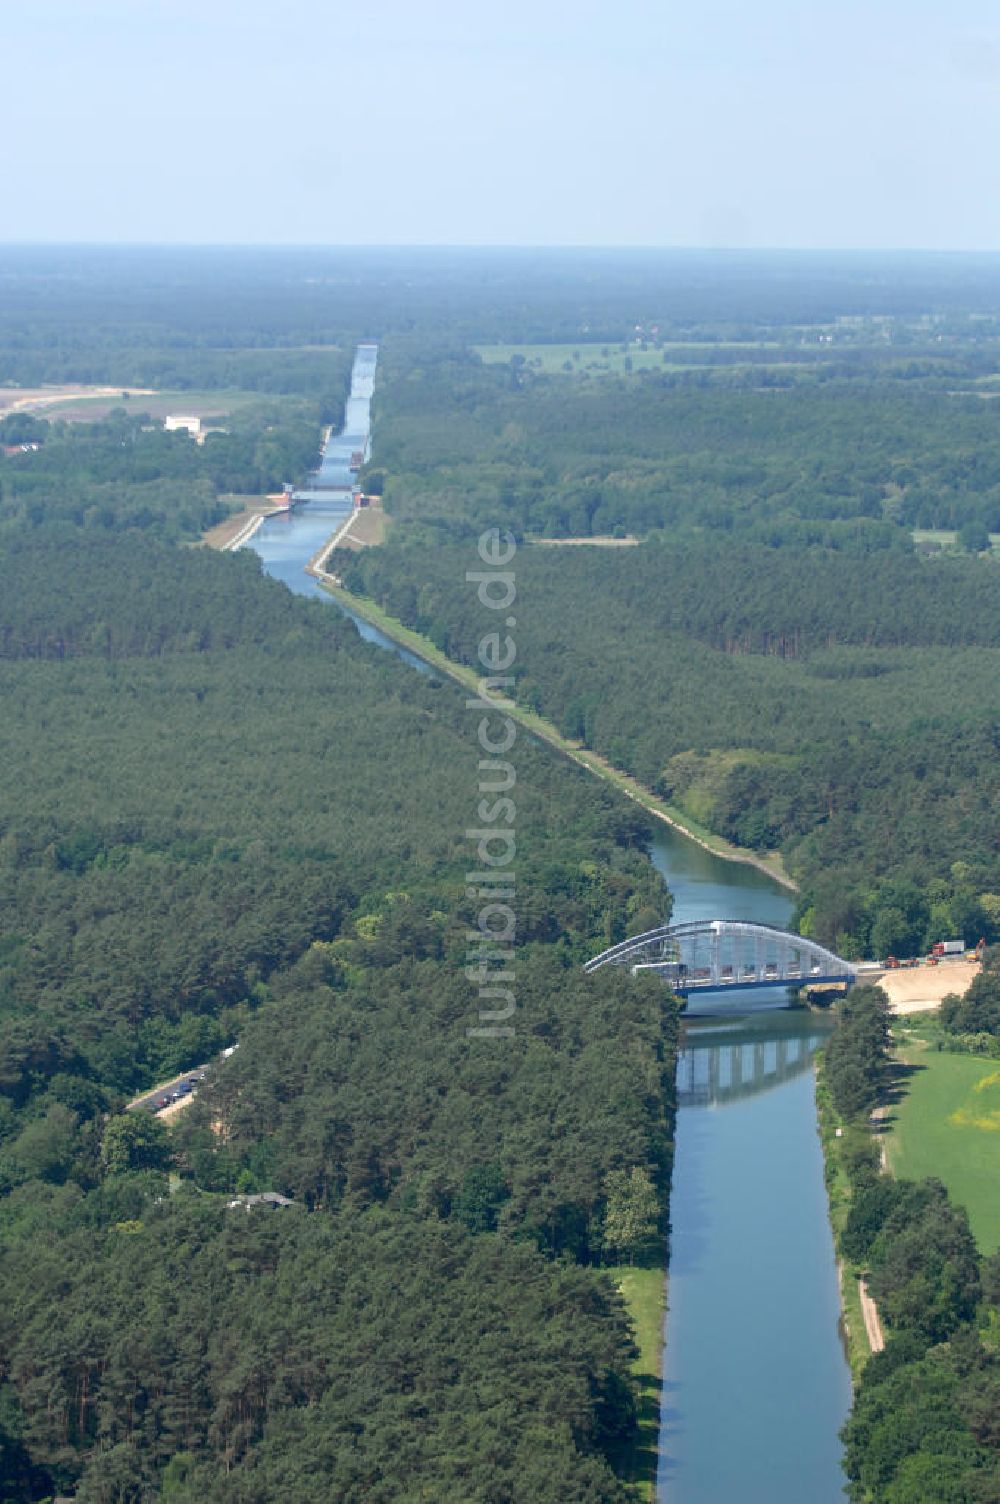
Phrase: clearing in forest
(50,401)
(948,1125)
(83,405)
(601,360)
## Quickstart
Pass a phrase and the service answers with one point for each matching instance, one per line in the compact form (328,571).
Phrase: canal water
(287,541)
(755,1383)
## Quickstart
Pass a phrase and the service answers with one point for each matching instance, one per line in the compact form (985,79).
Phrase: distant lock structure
(727,955)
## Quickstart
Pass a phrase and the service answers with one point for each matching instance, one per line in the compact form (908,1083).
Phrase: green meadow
(948,1125)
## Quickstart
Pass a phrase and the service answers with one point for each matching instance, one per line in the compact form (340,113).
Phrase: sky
(833,124)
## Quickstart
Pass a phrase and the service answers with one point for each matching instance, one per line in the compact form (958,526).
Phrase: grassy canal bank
(834,1140)
(644,1291)
(423,648)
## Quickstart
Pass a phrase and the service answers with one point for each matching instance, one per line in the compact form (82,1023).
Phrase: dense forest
(779,659)
(164,483)
(973,1020)
(198,858)
(848,459)
(227,822)
(842,709)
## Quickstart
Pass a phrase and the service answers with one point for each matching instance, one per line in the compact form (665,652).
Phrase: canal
(755,1382)
(287,541)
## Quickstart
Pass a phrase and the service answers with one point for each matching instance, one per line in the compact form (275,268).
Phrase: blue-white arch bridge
(727,955)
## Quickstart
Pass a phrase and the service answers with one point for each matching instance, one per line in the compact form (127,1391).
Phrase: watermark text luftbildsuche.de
(490,945)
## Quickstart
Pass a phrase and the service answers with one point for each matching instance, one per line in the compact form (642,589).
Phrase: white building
(178,421)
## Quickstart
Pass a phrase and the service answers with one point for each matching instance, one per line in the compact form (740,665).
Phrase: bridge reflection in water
(716,1066)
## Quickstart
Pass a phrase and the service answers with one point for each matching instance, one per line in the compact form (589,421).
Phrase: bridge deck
(772,984)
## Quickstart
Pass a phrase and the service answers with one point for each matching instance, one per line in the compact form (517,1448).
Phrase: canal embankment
(422,647)
(317,564)
(236,530)
(855,1328)
(362,527)
(244,534)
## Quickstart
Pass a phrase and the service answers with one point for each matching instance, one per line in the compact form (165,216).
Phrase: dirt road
(15,399)
(601,540)
(873,1326)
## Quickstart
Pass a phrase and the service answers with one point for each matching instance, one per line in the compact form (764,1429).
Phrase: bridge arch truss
(722,955)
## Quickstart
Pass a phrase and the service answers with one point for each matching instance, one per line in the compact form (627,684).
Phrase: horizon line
(474,246)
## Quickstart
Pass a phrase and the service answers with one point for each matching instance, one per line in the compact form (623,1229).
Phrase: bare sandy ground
(223,533)
(873,1326)
(366,530)
(176,1107)
(34,399)
(918,989)
(600,540)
